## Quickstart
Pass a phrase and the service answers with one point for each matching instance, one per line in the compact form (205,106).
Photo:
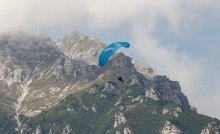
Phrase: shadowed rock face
(169,90)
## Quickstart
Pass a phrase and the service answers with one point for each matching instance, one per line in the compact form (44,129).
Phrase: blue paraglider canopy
(109,50)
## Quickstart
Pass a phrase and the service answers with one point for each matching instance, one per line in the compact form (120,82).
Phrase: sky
(177,38)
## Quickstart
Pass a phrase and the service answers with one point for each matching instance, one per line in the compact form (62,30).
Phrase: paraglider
(108,51)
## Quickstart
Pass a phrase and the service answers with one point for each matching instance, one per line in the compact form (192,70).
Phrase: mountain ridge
(37,73)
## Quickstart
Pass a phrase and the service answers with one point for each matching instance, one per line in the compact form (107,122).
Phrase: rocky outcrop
(172,110)
(175,114)
(154,112)
(103,95)
(170,128)
(169,90)
(145,70)
(51,131)
(110,87)
(134,82)
(16,75)
(117,132)
(119,118)
(179,109)
(125,131)
(138,98)
(39,130)
(67,129)
(151,94)
(94,89)
(118,101)
(25,128)
(70,109)
(94,108)
(166,110)
(211,128)
(64,65)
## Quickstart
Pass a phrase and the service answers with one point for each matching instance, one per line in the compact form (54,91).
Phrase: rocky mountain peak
(78,46)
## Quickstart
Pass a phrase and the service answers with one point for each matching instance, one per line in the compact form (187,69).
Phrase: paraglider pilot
(120,78)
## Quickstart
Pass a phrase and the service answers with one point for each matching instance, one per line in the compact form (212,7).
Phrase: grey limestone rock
(119,118)
(169,90)
(109,87)
(126,130)
(170,128)
(211,128)
(94,89)
(25,128)
(67,129)
(39,130)
(151,94)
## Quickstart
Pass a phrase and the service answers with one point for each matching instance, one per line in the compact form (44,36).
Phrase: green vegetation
(7,124)
(142,118)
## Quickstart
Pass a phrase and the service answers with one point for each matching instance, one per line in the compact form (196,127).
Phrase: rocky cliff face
(169,90)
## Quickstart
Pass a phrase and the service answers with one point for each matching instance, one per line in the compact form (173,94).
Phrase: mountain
(57,87)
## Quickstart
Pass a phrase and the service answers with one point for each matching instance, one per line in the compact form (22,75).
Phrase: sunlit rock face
(39,130)
(170,128)
(151,94)
(211,128)
(145,70)
(78,46)
(125,131)
(67,129)
(94,89)
(25,128)
(119,118)
(110,87)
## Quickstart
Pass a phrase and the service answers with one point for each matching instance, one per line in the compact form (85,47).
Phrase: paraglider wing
(109,50)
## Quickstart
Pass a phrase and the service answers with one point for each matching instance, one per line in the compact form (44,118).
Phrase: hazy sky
(177,38)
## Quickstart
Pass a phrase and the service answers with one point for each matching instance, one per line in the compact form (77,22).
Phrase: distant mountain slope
(36,74)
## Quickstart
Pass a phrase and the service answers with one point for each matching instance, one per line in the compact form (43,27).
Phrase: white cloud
(100,14)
